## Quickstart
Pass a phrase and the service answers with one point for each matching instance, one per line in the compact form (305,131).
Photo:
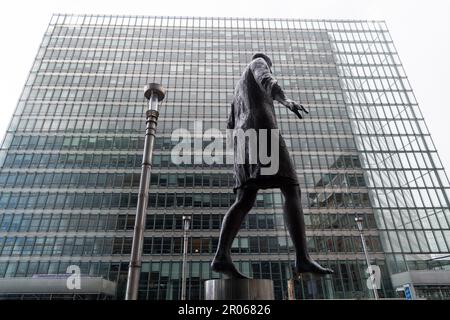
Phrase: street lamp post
(186,222)
(154,93)
(359,224)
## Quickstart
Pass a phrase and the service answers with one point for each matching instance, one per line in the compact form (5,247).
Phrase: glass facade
(70,160)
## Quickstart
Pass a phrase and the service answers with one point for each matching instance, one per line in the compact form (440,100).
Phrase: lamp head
(157,89)
(359,223)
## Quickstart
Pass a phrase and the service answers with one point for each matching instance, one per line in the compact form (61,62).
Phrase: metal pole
(359,221)
(154,93)
(186,221)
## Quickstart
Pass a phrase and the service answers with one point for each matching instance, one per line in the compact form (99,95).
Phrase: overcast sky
(420,30)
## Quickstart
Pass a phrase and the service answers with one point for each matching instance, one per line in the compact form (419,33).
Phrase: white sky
(420,30)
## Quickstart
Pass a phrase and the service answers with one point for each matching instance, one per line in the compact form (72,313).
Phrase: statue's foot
(308,265)
(226,266)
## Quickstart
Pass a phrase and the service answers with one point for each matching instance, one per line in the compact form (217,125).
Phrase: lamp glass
(359,223)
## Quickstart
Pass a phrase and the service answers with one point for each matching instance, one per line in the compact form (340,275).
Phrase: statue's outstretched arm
(278,95)
(267,82)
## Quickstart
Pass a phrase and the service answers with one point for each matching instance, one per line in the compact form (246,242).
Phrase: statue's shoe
(310,266)
(227,268)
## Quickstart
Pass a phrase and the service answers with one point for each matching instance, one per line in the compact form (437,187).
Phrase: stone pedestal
(239,289)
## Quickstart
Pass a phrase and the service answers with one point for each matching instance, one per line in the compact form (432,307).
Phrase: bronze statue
(253,108)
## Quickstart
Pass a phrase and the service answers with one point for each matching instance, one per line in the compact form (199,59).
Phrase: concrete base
(239,289)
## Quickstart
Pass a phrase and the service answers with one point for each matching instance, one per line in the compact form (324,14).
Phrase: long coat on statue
(253,108)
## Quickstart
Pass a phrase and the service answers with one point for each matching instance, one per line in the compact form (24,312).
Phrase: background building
(70,160)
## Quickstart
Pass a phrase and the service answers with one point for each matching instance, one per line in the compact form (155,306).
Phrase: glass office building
(71,157)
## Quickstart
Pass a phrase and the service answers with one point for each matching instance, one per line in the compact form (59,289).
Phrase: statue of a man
(253,108)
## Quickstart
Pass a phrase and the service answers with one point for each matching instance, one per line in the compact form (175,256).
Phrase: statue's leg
(293,216)
(245,198)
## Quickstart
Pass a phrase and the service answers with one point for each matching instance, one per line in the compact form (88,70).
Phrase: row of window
(195,42)
(27,200)
(113,161)
(387,66)
(35,142)
(383,143)
(209,84)
(34,200)
(201,90)
(364,47)
(131,180)
(299,70)
(80,109)
(28,142)
(333,113)
(183,33)
(165,126)
(410,197)
(237,58)
(88,246)
(187,105)
(125,95)
(192,57)
(414,218)
(417,241)
(403,160)
(405,178)
(211,118)
(113,180)
(214,27)
(81,125)
(198,81)
(120,222)
(385,127)
(72,160)
(393,112)
(337,200)
(203,45)
(191,99)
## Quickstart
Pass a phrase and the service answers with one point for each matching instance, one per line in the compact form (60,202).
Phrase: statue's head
(265,57)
